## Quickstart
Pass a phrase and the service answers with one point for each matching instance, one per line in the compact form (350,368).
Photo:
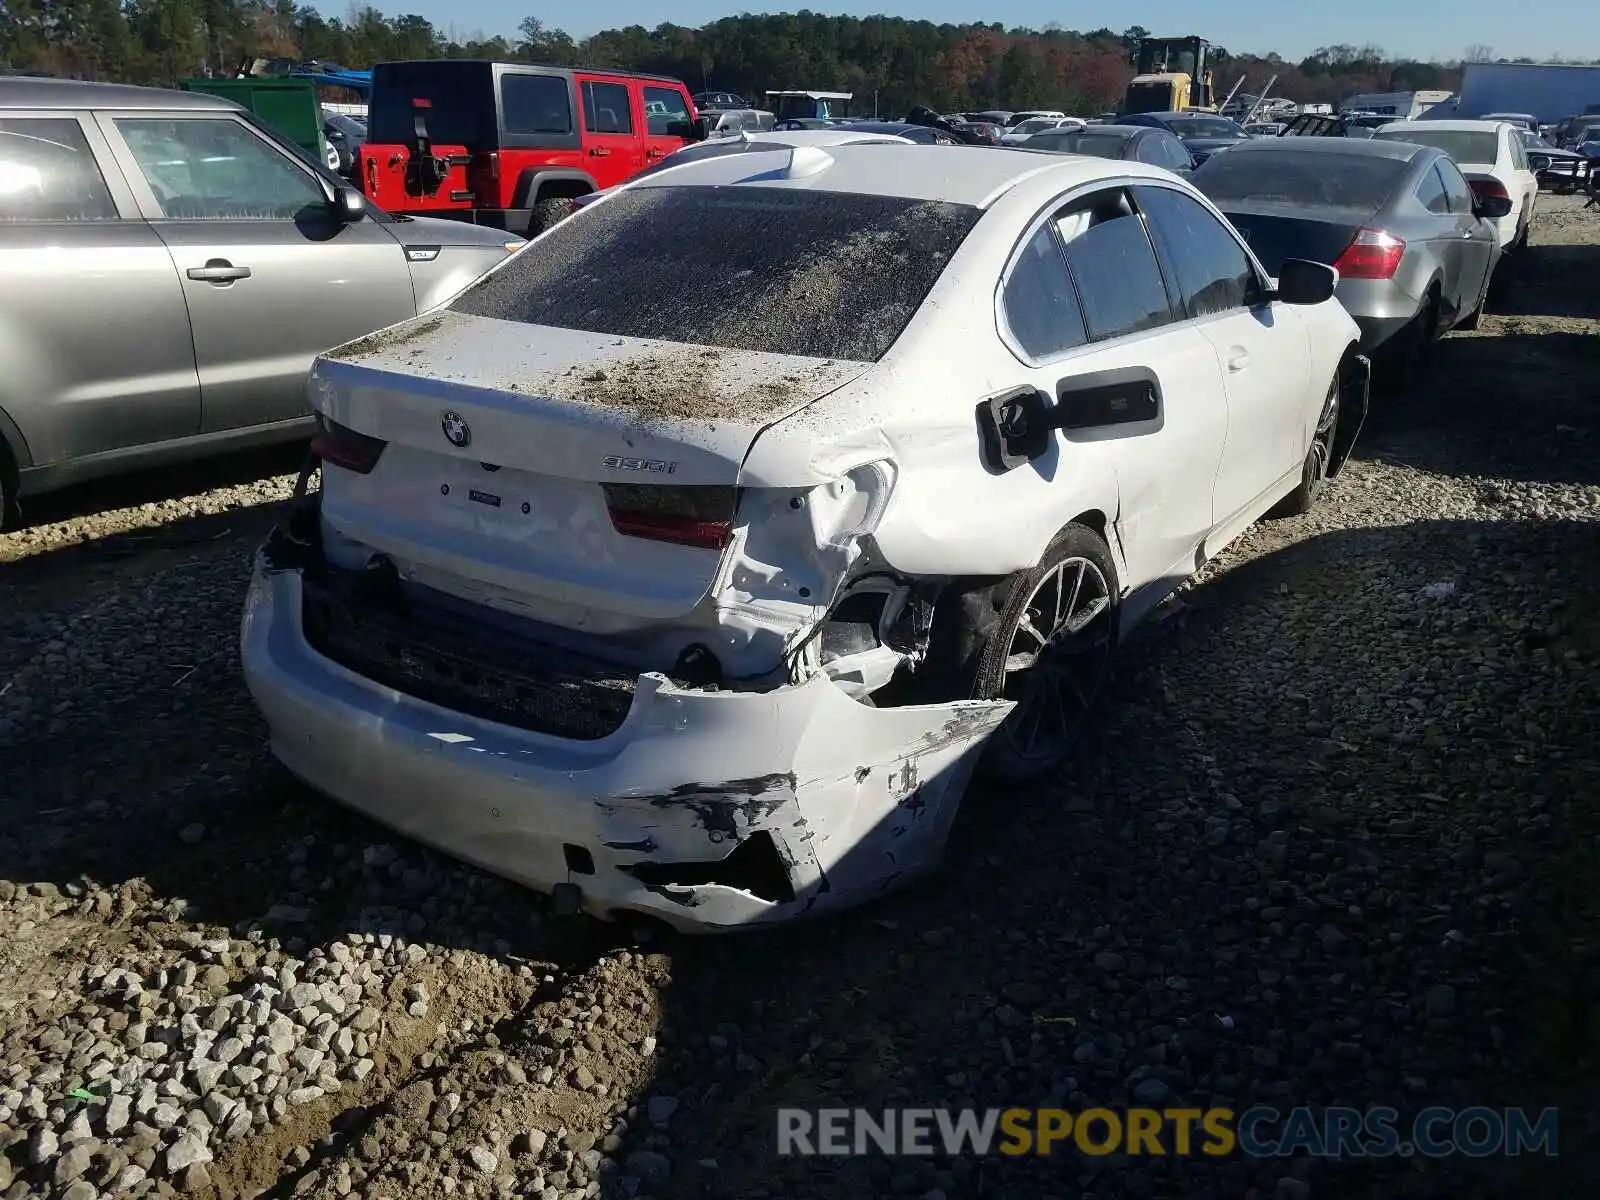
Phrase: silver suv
(169,267)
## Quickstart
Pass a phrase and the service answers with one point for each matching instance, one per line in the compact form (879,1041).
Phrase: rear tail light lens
(1372,254)
(1484,188)
(684,516)
(344,447)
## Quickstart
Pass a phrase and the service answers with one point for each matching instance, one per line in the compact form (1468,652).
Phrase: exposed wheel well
(1094,519)
(561,189)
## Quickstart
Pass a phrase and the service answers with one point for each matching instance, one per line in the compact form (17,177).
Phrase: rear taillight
(485,163)
(1373,254)
(1485,188)
(344,447)
(685,516)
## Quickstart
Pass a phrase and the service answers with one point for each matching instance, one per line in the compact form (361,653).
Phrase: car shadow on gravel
(1522,406)
(155,485)
(1556,280)
(1334,842)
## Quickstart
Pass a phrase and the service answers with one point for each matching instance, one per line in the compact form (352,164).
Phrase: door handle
(655,153)
(1238,359)
(599,152)
(218,271)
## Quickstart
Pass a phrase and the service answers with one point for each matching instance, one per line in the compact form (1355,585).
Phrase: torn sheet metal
(846,799)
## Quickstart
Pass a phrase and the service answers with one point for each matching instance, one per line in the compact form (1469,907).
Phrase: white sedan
(1493,157)
(1023,130)
(689,563)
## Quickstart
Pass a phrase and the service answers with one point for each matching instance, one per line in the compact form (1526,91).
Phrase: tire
(1411,345)
(1314,471)
(10,511)
(546,215)
(981,635)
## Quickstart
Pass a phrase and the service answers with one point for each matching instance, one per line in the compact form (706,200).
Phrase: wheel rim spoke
(1056,658)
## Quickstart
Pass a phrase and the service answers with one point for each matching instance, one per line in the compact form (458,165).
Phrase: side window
(215,169)
(1431,193)
(1519,154)
(1455,184)
(1213,272)
(663,106)
(1149,151)
(1040,306)
(535,104)
(48,172)
(1110,256)
(605,108)
(1175,153)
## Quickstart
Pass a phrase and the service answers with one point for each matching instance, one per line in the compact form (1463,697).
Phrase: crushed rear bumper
(710,810)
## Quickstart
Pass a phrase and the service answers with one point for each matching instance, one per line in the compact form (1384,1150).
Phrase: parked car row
(673,563)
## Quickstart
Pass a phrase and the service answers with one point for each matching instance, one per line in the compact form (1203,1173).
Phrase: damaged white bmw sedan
(689,562)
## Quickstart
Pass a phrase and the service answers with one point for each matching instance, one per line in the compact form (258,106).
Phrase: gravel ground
(1332,842)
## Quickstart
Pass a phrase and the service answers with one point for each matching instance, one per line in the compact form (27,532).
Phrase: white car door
(1524,187)
(1262,349)
(1086,306)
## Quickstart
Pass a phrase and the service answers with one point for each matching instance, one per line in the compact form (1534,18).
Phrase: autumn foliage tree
(887,62)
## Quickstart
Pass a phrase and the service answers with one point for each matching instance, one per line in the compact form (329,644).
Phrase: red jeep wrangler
(508,144)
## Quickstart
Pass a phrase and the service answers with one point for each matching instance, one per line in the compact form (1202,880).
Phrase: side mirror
(1301,281)
(1492,208)
(349,205)
(696,130)
(1538,162)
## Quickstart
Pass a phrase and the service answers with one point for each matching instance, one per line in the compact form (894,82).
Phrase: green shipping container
(289,105)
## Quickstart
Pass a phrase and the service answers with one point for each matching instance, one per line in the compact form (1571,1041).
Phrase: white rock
(227,1050)
(117,1111)
(189,1148)
(305,1095)
(483,1159)
(207,1075)
(130,1177)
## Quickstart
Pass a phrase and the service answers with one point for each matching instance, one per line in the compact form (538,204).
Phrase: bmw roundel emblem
(455,428)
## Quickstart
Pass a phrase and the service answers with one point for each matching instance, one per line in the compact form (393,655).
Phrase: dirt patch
(385,340)
(685,383)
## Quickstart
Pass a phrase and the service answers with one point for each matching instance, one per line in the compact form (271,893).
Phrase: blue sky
(1430,29)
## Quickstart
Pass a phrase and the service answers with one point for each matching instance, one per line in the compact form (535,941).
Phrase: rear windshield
(1462,145)
(1098,145)
(822,274)
(1300,177)
(460,103)
(1204,127)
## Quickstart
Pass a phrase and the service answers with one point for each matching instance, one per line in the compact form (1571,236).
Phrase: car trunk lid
(553,468)
(1275,233)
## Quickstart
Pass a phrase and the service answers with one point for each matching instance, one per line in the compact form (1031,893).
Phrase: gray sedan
(1414,249)
(169,267)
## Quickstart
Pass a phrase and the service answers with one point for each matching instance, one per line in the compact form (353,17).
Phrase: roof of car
(1366,147)
(29,91)
(1447,126)
(1091,130)
(914,172)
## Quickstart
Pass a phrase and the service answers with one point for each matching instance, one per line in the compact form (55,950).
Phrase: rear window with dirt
(823,274)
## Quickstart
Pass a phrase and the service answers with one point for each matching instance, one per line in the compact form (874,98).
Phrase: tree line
(890,63)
